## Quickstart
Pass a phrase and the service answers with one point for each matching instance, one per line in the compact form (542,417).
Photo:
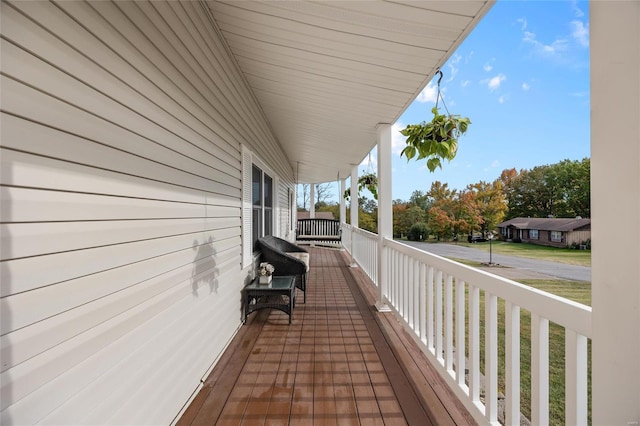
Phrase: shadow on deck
(339,362)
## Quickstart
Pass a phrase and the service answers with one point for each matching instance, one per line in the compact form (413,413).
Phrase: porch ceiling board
(325,73)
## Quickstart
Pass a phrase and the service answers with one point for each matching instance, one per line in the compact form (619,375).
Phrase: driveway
(524,267)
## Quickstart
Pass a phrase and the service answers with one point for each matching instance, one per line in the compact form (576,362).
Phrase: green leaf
(409,152)
(433,163)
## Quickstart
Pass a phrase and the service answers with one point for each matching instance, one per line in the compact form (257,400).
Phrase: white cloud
(495,82)
(398,141)
(580,33)
(453,69)
(488,65)
(428,94)
(523,23)
(556,46)
(526,86)
(494,165)
(465,83)
(502,99)
(576,10)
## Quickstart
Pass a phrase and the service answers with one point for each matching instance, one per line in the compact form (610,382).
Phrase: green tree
(561,190)
(420,199)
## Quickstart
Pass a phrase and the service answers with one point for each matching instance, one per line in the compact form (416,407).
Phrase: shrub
(418,232)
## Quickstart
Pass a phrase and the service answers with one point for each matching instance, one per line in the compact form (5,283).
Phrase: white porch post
(312,200)
(615,211)
(353,204)
(343,205)
(385,211)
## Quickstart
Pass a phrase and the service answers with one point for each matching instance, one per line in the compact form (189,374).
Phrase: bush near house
(418,232)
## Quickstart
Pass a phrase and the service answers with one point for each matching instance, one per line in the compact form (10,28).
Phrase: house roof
(327,73)
(547,224)
(319,215)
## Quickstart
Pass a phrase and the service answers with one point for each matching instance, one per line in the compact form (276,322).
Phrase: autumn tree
(401,221)
(467,213)
(491,203)
(440,223)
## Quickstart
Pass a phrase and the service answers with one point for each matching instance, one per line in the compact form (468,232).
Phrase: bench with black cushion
(286,258)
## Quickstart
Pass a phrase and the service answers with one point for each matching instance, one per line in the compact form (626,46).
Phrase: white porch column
(615,211)
(353,203)
(343,205)
(312,201)
(385,211)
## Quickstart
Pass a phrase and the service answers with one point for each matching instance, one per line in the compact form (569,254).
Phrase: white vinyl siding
(122,127)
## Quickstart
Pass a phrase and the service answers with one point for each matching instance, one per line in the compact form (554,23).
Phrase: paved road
(552,269)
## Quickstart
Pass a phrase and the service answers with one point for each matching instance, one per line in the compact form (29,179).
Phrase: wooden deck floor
(339,362)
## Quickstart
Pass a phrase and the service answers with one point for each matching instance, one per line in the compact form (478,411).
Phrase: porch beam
(615,209)
(385,211)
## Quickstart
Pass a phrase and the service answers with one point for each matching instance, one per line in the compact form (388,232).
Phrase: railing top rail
(567,313)
(363,232)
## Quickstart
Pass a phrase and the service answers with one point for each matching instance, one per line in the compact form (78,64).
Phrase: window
(533,234)
(556,236)
(292,224)
(261,204)
(258,215)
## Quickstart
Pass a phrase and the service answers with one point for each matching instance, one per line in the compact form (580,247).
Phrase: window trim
(537,234)
(557,239)
(249,160)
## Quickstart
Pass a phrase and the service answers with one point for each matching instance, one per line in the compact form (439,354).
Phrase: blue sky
(522,77)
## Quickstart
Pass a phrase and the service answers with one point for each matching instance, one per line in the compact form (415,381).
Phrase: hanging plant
(436,140)
(368,181)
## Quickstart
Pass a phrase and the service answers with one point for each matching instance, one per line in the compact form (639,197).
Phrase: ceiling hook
(440,78)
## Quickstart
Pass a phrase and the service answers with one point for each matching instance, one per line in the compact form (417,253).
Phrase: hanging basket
(435,140)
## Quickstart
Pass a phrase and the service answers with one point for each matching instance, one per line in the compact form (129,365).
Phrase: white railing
(363,247)
(438,301)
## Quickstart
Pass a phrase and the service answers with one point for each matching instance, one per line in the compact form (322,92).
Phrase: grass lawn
(533,251)
(577,291)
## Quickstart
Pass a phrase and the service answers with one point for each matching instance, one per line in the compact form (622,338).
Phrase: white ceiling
(326,73)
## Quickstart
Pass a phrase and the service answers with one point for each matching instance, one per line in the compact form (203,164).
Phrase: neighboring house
(318,215)
(556,232)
